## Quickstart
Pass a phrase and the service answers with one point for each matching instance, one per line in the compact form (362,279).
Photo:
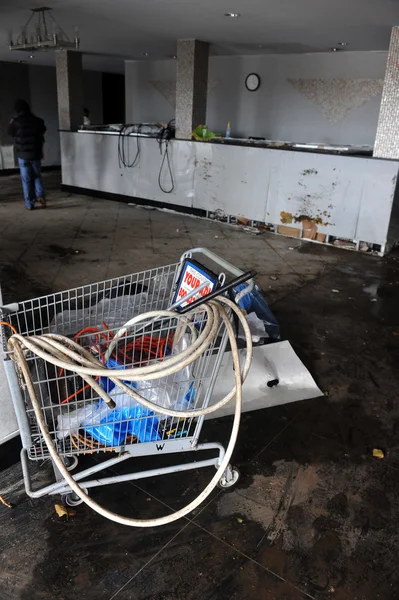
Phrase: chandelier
(42,32)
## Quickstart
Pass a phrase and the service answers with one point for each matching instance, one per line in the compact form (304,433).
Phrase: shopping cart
(76,416)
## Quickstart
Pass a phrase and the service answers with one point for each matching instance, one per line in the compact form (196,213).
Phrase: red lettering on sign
(205,291)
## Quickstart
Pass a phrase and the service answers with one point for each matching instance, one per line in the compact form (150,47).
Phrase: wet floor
(314,514)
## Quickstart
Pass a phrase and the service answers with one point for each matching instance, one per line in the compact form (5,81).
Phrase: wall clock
(252,82)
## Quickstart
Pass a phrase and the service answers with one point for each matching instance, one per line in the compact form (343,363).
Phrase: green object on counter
(202,133)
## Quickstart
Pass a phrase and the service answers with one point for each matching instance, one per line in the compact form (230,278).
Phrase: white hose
(64,353)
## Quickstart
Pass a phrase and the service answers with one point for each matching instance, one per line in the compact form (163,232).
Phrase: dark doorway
(113,98)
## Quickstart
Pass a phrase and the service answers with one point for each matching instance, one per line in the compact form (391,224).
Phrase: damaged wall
(344,196)
(38,86)
(328,97)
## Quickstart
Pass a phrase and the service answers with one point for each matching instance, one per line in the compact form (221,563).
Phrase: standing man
(28,131)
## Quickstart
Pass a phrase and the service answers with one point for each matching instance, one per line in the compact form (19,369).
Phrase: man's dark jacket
(27,131)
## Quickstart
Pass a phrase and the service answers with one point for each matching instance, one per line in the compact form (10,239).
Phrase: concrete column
(191,86)
(387,138)
(69,89)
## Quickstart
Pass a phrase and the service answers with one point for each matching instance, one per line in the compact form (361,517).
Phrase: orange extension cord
(146,345)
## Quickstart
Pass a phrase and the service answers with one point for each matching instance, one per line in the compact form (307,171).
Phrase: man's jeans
(31,180)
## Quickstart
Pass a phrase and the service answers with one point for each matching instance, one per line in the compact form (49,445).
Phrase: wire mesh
(77,418)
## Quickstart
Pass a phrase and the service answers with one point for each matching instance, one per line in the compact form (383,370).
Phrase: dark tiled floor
(314,515)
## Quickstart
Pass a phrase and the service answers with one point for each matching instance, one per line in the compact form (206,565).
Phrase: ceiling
(114,30)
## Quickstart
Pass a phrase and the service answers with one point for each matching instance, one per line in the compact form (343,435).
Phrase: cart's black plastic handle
(219,291)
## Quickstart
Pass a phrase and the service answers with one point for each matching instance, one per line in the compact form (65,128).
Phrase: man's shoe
(42,202)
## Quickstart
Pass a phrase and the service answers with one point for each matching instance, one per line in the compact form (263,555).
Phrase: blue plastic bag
(105,382)
(254,302)
(120,423)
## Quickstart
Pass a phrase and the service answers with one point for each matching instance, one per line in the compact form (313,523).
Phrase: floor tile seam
(150,495)
(149,561)
(247,557)
(274,439)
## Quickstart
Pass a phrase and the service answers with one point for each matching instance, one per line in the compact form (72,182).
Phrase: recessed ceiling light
(334,49)
(342,43)
(145,53)
(259,46)
(174,56)
(232,15)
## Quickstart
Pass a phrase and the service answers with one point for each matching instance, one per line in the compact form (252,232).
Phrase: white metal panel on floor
(8,421)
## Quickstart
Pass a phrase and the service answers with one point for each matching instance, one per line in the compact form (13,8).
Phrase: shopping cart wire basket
(77,417)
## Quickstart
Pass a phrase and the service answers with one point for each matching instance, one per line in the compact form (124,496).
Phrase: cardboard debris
(309,230)
(243,220)
(64,511)
(289,231)
(377,453)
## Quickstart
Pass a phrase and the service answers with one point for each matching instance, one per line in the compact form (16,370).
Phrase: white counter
(348,197)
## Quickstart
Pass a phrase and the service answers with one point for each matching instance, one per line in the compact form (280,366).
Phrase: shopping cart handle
(217,292)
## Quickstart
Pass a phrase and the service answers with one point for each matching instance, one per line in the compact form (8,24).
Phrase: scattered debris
(335,291)
(64,511)
(148,499)
(177,230)
(274,277)
(262,228)
(290,248)
(373,300)
(64,253)
(7,504)
(346,244)
(239,520)
(378,453)
(249,229)
(243,220)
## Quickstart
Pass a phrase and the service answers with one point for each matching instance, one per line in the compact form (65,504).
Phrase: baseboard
(188,210)
(15,171)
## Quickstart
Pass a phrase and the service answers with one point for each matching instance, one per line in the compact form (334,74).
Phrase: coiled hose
(66,354)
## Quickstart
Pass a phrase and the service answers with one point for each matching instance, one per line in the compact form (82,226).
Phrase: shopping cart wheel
(229,477)
(71,462)
(72,499)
